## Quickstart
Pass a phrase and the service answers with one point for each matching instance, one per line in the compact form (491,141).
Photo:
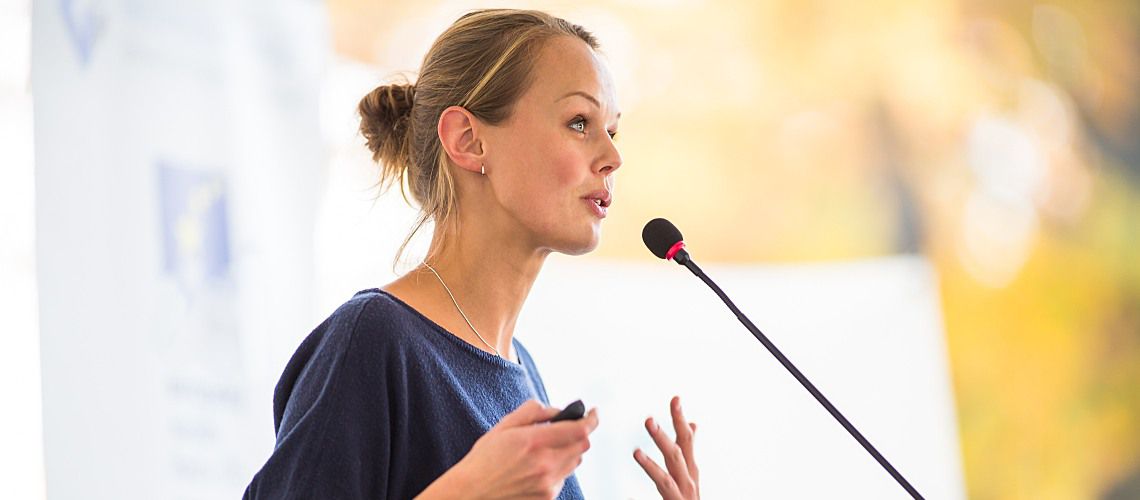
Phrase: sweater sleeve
(331,415)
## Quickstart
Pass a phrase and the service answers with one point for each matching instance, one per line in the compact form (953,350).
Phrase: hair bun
(384,114)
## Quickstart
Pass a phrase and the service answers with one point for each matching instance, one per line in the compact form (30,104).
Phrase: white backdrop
(626,337)
(178,160)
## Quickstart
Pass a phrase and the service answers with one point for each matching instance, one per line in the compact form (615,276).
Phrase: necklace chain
(460,309)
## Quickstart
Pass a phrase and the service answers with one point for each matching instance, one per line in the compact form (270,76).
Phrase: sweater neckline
(455,339)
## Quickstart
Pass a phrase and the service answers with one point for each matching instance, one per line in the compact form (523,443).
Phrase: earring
(482,171)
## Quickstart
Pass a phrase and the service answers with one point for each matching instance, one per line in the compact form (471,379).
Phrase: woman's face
(555,153)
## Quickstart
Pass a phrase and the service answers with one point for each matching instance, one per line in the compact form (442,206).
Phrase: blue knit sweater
(379,401)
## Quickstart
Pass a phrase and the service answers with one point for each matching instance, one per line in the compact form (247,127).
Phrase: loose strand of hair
(474,93)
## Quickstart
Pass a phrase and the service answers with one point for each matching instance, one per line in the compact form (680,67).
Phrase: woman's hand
(520,457)
(681,480)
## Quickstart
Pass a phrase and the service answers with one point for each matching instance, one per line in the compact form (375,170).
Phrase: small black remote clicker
(573,411)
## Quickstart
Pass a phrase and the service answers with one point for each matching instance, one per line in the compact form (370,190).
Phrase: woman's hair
(483,62)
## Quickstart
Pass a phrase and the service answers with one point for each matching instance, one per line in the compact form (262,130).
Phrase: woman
(419,389)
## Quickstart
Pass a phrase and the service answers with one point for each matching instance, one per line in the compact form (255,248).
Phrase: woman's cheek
(566,165)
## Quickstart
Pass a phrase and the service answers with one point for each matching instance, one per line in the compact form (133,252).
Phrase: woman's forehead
(568,69)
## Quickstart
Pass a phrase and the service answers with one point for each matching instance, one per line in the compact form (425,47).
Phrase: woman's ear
(458,131)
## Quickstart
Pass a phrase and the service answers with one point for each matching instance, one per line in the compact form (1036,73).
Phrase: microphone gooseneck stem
(683,258)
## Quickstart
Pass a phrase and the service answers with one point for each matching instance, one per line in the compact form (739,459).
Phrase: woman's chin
(581,246)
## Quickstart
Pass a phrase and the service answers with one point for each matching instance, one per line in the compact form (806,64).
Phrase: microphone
(666,242)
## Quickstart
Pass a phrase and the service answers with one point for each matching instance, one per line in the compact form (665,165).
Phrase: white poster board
(178,162)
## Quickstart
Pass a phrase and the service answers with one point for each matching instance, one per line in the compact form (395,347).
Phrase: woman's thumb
(528,413)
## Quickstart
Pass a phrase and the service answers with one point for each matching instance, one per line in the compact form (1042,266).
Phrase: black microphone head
(660,235)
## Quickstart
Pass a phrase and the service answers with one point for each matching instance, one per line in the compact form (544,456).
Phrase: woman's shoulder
(372,317)
(359,341)
(371,300)
(365,329)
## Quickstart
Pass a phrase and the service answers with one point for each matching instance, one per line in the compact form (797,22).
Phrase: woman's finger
(527,413)
(674,457)
(665,485)
(569,432)
(684,436)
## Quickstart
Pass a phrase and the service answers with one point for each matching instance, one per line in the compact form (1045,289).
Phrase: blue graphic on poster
(195,229)
(84,24)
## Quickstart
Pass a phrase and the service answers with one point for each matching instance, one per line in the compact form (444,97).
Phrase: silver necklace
(460,309)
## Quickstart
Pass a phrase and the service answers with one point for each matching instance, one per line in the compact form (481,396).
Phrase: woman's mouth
(599,201)
(596,207)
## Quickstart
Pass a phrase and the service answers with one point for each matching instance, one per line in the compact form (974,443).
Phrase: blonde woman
(419,389)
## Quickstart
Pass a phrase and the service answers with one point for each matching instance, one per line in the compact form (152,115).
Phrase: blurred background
(999,141)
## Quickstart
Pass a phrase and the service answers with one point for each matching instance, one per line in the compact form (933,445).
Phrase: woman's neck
(490,279)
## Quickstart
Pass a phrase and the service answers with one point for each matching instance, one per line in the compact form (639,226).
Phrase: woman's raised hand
(520,457)
(680,479)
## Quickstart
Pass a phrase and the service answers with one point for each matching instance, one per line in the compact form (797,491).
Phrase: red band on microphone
(674,249)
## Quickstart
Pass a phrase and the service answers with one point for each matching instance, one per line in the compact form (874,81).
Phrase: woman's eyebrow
(587,96)
(583,94)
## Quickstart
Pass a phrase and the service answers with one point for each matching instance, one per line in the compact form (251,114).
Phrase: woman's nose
(611,160)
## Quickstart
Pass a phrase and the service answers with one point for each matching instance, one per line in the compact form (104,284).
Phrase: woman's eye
(579,124)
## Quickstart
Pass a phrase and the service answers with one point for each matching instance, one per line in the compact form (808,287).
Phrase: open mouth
(598,206)
(600,201)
